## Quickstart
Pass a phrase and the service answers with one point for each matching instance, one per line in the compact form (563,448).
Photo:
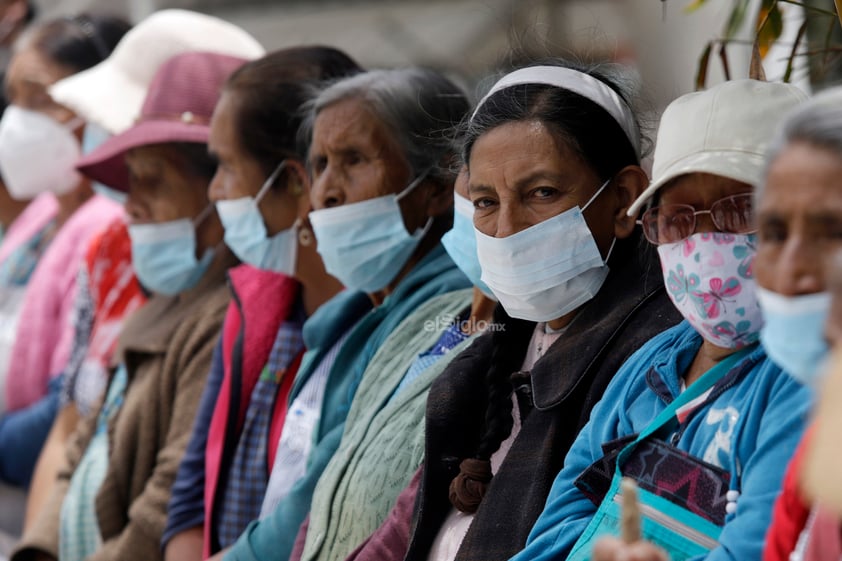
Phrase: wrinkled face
(799,218)
(161,186)
(355,157)
(521,175)
(28,76)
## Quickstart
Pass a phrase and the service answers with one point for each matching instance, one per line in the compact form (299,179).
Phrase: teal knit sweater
(383,443)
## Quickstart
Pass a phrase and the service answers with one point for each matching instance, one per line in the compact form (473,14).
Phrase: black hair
(509,343)
(78,42)
(580,123)
(270,92)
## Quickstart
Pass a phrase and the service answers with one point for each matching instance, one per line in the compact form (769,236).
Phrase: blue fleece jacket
(274,536)
(750,428)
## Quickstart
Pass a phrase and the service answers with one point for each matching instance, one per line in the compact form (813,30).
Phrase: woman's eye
(354,158)
(544,192)
(483,203)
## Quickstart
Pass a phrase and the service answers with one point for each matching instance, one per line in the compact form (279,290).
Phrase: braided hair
(509,342)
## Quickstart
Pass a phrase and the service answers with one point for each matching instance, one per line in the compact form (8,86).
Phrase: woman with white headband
(700,418)
(553,156)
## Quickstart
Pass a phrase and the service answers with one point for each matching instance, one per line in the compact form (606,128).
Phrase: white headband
(577,82)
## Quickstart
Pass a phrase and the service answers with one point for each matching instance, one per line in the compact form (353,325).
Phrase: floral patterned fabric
(710,279)
(108,292)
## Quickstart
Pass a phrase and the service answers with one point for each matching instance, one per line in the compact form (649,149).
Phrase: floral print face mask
(710,279)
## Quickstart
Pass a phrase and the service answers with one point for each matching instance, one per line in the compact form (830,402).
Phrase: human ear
(439,197)
(630,182)
(298,185)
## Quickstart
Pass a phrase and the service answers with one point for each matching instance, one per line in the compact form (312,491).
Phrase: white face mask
(246,235)
(37,153)
(546,271)
(365,244)
(164,254)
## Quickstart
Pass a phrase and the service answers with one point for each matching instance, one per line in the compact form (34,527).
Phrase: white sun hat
(724,131)
(111,93)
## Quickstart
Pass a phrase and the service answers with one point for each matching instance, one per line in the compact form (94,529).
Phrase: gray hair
(817,122)
(419,106)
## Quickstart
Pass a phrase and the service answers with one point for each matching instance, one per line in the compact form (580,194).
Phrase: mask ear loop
(411,187)
(595,195)
(610,250)
(269,182)
(420,233)
(203,215)
(587,204)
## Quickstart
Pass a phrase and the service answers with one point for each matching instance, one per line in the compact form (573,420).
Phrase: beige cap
(722,131)
(111,93)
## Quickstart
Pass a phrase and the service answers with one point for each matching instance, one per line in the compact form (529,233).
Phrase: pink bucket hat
(177,108)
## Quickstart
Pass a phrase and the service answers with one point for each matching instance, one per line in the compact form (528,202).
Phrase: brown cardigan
(166,347)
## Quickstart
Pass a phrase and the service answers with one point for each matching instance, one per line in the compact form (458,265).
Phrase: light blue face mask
(793,334)
(164,254)
(460,242)
(246,235)
(365,245)
(92,137)
(547,270)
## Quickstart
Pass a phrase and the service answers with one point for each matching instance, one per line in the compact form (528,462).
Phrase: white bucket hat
(722,131)
(111,93)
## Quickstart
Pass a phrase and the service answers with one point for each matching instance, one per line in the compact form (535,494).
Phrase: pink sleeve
(391,540)
(300,539)
(45,331)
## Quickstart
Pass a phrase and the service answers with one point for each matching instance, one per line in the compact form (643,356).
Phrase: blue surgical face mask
(93,136)
(461,243)
(365,245)
(246,235)
(793,334)
(164,255)
(547,270)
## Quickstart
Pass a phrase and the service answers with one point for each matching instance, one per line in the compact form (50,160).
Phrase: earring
(305,236)
(296,189)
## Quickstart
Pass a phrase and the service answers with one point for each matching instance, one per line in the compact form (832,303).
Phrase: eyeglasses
(674,223)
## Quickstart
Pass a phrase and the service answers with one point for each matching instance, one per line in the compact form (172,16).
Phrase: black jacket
(630,308)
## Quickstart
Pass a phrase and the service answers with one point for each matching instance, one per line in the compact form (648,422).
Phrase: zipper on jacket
(699,538)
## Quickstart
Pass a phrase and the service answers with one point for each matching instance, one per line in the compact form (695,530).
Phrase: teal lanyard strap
(696,389)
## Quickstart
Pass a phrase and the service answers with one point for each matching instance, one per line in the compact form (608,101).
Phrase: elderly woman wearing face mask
(799,225)
(701,401)
(383,444)
(109,498)
(381,165)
